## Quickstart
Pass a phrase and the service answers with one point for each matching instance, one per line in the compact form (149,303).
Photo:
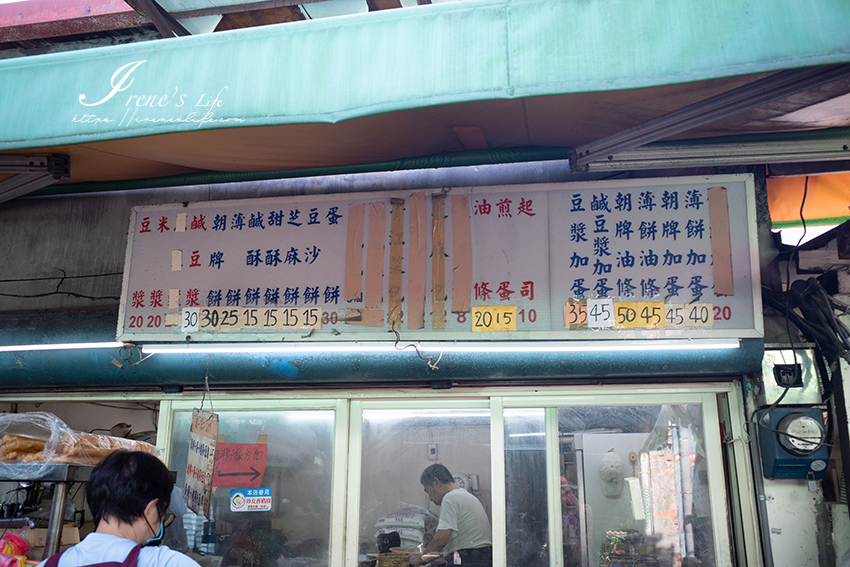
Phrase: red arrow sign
(240,465)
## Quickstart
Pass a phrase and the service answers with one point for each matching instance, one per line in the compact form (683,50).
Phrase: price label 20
(494,318)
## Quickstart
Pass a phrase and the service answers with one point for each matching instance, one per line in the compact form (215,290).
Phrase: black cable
(57,292)
(63,277)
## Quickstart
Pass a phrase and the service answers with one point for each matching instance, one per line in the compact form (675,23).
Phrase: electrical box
(792,442)
(791,375)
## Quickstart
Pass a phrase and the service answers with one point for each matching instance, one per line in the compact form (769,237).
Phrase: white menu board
(651,258)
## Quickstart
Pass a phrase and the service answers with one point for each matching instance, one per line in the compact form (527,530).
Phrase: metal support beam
(708,155)
(775,87)
(165,23)
(31,173)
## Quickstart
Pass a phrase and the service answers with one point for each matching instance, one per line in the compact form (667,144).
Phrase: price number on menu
(688,315)
(600,312)
(640,315)
(575,314)
(493,318)
(229,319)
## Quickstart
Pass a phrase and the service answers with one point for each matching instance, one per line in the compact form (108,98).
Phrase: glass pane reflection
(397,446)
(634,487)
(297,529)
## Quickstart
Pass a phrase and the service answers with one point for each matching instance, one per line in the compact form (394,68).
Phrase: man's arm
(438,542)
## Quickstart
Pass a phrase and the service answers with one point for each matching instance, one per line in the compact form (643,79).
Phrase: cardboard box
(37,537)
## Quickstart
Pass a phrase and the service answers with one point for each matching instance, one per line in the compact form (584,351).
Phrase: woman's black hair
(123,483)
(440,472)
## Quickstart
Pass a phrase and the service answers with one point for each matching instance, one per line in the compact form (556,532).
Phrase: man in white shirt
(464,529)
(128,494)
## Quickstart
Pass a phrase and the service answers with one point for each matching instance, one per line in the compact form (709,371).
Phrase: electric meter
(792,442)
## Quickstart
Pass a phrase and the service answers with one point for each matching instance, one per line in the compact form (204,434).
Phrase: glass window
(296,530)
(397,446)
(633,486)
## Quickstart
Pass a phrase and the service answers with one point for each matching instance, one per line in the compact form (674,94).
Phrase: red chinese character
(196,259)
(138,299)
(156,298)
(504,208)
(198,222)
(504,292)
(482,208)
(483,291)
(162,224)
(525,207)
(146,224)
(192,297)
(527,290)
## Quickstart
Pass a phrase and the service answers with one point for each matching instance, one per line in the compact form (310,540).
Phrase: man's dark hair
(123,483)
(440,472)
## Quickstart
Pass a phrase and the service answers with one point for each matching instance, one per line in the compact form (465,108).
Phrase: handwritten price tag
(575,314)
(600,312)
(494,318)
(688,315)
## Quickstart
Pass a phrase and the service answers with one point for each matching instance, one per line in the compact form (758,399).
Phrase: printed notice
(250,499)
(197,486)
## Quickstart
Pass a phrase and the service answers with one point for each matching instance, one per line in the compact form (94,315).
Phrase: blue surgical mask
(157,539)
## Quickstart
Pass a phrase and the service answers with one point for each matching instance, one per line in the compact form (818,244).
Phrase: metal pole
(57,518)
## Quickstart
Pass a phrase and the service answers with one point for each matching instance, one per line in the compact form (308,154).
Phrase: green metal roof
(330,70)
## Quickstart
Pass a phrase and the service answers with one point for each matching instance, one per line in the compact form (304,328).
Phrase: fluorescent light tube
(437,347)
(59,346)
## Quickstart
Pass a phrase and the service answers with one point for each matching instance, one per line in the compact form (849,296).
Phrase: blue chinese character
(648,288)
(220,222)
(623,202)
(693,199)
(600,246)
(600,224)
(256,221)
(694,258)
(671,259)
(578,288)
(648,258)
(238,221)
(623,229)
(332,216)
(293,217)
(272,296)
(273,257)
(216,259)
(252,296)
(292,257)
(599,203)
(670,200)
(600,268)
(214,298)
(577,261)
(601,288)
(290,296)
(576,203)
(625,260)
(695,229)
(311,295)
(670,229)
(233,297)
(312,254)
(696,286)
(332,294)
(314,216)
(647,230)
(577,232)
(646,201)
(276,218)
(672,286)
(625,287)
(252,258)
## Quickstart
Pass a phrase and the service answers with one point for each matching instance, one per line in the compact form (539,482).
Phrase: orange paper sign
(240,465)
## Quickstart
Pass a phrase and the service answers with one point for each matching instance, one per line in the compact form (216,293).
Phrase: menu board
(651,258)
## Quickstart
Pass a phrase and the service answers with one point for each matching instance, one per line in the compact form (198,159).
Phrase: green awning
(332,70)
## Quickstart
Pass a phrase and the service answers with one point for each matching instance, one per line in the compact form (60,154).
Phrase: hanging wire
(207,387)
(428,360)
(131,349)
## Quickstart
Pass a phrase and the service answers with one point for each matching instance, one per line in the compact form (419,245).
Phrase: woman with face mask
(128,495)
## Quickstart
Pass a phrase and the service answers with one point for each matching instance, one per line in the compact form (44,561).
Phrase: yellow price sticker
(640,315)
(494,318)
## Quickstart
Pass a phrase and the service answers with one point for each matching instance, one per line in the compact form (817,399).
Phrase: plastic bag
(32,442)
